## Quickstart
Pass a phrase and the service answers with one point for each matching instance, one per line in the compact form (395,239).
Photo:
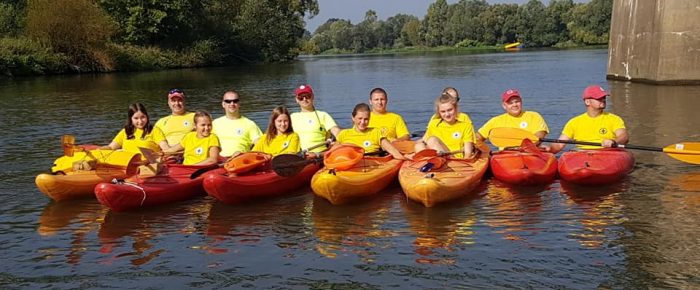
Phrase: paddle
(68,145)
(434,159)
(407,146)
(291,164)
(507,137)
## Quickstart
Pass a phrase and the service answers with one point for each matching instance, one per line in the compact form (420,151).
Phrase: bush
(469,43)
(24,57)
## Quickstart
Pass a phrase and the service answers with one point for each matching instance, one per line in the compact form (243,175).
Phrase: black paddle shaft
(637,147)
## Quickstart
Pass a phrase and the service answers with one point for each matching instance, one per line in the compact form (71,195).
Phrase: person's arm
(479,138)
(469,150)
(621,137)
(335,130)
(556,147)
(172,149)
(164,145)
(213,157)
(540,135)
(112,146)
(388,147)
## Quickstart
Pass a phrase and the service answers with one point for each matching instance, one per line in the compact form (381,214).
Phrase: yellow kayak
(65,183)
(366,178)
(454,179)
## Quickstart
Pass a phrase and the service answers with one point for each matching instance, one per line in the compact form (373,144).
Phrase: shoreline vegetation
(39,37)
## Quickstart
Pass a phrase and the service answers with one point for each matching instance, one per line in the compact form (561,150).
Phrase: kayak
(454,179)
(523,168)
(595,167)
(173,185)
(366,178)
(234,189)
(65,183)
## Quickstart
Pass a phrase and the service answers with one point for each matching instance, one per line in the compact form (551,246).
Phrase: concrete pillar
(655,41)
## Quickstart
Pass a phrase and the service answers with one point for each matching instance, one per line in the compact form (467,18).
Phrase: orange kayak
(364,179)
(595,167)
(454,179)
(524,168)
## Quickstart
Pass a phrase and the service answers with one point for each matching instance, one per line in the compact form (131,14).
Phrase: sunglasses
(175,91)
(302,97)
(235,101)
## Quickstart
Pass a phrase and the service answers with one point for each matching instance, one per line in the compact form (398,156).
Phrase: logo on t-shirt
(603,131)
(186,123)
(285,144)
(523,124)
(367,143)
(311,121)
(199,150)
(239,131)
(456,135)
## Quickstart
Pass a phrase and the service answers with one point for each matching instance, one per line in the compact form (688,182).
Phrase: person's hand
(545,148)
(310,155)
(607,143)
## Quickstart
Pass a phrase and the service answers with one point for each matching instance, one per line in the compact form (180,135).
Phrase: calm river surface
(641,233)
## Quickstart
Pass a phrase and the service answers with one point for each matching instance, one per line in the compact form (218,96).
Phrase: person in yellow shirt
(514,117)
(450,133)
(201,147)
(595,125)
(180,122)
(370,139)
(391,124)
(237,133)
(138,132)
(312,125)
(279,137)
(462,117)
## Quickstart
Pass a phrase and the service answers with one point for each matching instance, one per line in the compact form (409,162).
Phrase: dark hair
(360,107)
(375,90)
(200,114)
(129,127)
(271,129)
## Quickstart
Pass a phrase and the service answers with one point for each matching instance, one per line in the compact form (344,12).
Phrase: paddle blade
(404,146)
(289,164)
(150,155)
(68,145)
(528,146)
(509,137)
(687,152)
(425,153)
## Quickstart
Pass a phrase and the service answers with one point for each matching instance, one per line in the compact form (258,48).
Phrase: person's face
(514,106)
(203,126)
(448,112)
(177,105)
(231,103)
(361,120)
(139,120)
(596,103)
(378,101)
(305,100)
(282,123)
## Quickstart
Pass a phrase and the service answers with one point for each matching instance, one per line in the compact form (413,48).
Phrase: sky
(355,9)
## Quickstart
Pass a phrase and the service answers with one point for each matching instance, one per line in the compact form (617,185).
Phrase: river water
(639,233)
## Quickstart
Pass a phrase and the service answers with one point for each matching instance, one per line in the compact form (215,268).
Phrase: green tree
(499,24)
(394,30)
(341,34)
(464,22)
(410,33)
(435,24)
(12,17)
(590,23)
(78,28)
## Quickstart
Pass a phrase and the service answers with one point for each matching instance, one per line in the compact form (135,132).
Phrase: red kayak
(172,185)
(254,184)
(595,167)
(524,168)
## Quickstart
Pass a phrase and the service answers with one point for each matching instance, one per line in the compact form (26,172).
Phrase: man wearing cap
(594,125)
(312,125)
(390,124)
(180,122)
(237,133)
(514,117)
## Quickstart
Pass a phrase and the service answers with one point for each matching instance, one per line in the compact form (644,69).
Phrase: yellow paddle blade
(510,137)
(404,146)
(686,151)
(68,145)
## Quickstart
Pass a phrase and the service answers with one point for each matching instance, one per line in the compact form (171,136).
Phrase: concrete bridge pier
(655,41)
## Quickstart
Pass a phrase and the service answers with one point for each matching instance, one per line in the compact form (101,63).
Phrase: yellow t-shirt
(235,134)
(196,149)
(370,140)
(391,124)
(312,128)
(585,128)
(149,141)
(281,144)
(454,136)
(175,127)
(528,120)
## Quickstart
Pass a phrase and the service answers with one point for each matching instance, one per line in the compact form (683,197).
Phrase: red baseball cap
(303,89)
(509,94)
(594,92)
(176,93)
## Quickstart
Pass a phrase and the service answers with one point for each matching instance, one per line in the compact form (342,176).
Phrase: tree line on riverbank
(57,36)
(470,23)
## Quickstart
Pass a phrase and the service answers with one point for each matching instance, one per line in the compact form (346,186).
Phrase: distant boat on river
(514,46)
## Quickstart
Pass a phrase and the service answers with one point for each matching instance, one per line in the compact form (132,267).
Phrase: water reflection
(440,232)
(77,219)
(353,229)
(518,209)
